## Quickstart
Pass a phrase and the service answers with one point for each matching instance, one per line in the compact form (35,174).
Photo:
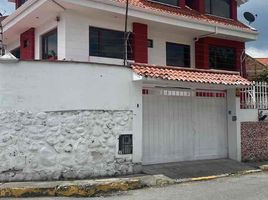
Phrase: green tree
(263,76)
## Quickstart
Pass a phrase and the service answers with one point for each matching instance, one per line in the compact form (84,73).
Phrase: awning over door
(196,77)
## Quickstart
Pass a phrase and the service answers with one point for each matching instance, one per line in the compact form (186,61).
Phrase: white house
(70,108)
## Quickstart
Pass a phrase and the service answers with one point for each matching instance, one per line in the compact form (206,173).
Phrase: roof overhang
(33,13)
(240,2)
(40,11)
(225,31)
(163,76)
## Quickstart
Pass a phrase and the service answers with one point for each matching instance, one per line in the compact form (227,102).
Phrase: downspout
(196,39)
(126,34)
(242,59)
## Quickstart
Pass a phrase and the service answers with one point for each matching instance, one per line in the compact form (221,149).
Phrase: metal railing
(255,97)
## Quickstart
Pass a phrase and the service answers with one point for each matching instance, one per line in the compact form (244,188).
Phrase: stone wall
(62,145)
(254,141)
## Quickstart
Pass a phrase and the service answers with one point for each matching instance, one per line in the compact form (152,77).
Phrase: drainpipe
(126,34)
(242,59)
(207,35)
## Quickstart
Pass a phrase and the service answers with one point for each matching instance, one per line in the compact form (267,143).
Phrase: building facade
(175,99)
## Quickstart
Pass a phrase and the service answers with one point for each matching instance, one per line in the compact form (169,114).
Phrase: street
(249,187)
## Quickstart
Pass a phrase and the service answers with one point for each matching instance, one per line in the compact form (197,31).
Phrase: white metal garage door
(180,125)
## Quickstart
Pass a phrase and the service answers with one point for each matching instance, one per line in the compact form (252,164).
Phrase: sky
(257,48)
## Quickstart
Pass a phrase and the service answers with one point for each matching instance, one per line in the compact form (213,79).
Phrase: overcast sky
(258,48)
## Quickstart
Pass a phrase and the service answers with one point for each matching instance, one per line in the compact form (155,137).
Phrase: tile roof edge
(203,20)
(213,71)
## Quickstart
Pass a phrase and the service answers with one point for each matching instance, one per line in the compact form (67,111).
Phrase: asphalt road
(249,187)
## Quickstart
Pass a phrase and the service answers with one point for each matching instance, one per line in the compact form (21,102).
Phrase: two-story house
(176,97)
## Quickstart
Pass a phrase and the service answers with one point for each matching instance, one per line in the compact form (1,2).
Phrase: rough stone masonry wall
(62,145)
(254,141)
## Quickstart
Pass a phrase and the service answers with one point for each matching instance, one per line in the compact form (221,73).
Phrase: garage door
(181,125)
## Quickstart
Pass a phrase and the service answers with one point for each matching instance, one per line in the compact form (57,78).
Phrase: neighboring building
(254,67)
(263,60)
(85,114)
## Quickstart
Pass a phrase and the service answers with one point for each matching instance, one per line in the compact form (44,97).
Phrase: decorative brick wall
(254,141)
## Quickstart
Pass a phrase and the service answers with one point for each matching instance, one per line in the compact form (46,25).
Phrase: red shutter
(27,45)
(140,47)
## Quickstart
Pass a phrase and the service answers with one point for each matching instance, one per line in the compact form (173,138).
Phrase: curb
(92,188)
(208,178)
(88,188)
(264,168)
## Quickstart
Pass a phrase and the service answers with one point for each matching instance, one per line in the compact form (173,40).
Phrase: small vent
(125,144)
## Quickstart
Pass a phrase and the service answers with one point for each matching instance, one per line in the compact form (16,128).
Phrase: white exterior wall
(36,86)
(234,133)
(13,45)
(60,145)
(52,86)
(73,37)
(160,35)
(77,35)
(234,127)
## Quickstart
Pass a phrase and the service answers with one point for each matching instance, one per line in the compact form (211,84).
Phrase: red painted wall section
(27,44)
(200,6)
(182,3)
(18,3)
(202,51)
(234,9)
(140,47)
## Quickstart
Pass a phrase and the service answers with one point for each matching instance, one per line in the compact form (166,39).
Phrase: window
(222,58)
(190,3)
(16,52)
(50,45)
(178,55)
(168,2)
(109,43)
(22,1)
(220,8)
(125,144)
(150,43)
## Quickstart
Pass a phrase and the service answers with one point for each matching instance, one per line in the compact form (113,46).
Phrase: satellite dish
(250,17)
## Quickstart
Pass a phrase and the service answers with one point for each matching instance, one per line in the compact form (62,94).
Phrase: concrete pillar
(234,135)
(137,122)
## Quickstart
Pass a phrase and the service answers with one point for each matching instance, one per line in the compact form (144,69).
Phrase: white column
(137,122)
(234,135)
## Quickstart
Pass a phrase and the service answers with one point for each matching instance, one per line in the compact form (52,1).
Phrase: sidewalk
(97,187)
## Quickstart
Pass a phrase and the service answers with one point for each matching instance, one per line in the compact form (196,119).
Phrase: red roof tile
(264,61)
(190,75)
(184,12)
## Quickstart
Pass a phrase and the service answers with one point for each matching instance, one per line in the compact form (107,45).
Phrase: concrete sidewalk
(200,168)
(173,173)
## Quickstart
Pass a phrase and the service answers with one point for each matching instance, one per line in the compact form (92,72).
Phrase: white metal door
(180,126)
